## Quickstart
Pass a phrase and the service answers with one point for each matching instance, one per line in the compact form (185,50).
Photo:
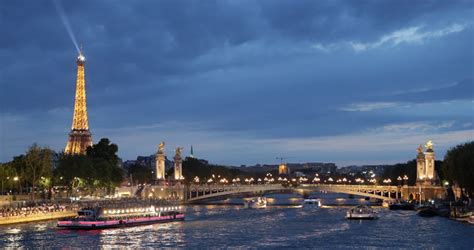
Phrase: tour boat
(434,209)
(402,205)
(471,219)
(100,218)
(361,212)
(259,202)
(311,202)
(427,211)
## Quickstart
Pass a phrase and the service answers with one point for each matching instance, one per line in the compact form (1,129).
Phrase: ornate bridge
(198,193)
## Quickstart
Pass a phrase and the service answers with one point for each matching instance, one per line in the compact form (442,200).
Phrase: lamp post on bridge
(405,180)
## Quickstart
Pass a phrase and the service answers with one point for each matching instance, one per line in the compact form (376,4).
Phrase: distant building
(283,169)
(299,174)
(191,155)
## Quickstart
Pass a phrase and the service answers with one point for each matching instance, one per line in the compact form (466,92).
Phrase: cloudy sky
(351,82)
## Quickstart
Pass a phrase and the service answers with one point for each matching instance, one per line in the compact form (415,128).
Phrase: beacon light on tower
(81,57)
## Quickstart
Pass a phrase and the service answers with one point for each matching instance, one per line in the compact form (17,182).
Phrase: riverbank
(36,217)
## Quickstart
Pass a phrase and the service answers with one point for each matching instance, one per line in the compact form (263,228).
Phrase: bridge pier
(428,192)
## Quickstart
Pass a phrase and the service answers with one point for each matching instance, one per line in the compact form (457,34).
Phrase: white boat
(386,203)
(258,202)
(361,212)
(311,202)
(471,219)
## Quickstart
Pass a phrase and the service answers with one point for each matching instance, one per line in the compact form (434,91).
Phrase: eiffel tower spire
(80,137)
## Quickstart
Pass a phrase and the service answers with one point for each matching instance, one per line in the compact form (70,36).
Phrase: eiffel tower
(80,137)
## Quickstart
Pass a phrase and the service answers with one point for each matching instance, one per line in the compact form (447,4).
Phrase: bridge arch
(199,194)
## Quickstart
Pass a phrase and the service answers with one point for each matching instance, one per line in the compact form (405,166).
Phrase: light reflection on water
(275,226)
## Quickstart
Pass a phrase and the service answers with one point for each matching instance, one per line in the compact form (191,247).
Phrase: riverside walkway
(36,217)
(44,211)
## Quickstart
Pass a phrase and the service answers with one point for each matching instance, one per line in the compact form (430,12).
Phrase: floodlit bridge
(200,193)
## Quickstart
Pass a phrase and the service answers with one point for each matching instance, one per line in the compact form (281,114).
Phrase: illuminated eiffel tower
(80,137)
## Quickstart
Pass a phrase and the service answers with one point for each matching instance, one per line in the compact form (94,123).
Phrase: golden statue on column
(178,165)
(160,162)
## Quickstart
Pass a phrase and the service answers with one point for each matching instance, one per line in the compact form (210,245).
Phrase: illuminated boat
(311,202)
(471,219)
(259,202)
(361,212)
(101,218)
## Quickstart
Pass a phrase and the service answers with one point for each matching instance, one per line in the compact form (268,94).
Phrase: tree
(140,173)
(38,163)
(97,169)
(72,170)
(108,174)
(401,169)
(458,167)
(7,173)
(19,167)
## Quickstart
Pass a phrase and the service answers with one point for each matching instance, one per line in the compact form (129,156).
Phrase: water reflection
(41,227)
(12,237)
(276,226)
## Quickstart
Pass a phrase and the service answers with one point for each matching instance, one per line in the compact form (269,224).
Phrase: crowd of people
(31,209)
(38,209)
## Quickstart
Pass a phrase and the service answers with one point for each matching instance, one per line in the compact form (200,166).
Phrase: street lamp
(405,179)
(387,181)
(15,179)
(2,186)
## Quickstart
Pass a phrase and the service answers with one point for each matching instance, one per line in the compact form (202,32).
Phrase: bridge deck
(210,192)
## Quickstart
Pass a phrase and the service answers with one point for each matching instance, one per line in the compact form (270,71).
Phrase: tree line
(99,169)
(40,168)
(458,167)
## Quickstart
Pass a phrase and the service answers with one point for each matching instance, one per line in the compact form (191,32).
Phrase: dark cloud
(267,69)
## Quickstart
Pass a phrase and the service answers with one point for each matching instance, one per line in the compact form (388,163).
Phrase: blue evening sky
(351,82)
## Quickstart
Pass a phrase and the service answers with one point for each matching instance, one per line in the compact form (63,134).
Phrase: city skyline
(244,82)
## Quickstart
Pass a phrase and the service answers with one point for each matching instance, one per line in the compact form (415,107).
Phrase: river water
(277,226)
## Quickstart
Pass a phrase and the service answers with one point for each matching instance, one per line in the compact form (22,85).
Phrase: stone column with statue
(178,165)
(160,162)
(431,176)
(420,165)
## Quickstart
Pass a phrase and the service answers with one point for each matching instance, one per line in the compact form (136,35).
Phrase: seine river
(277,226)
